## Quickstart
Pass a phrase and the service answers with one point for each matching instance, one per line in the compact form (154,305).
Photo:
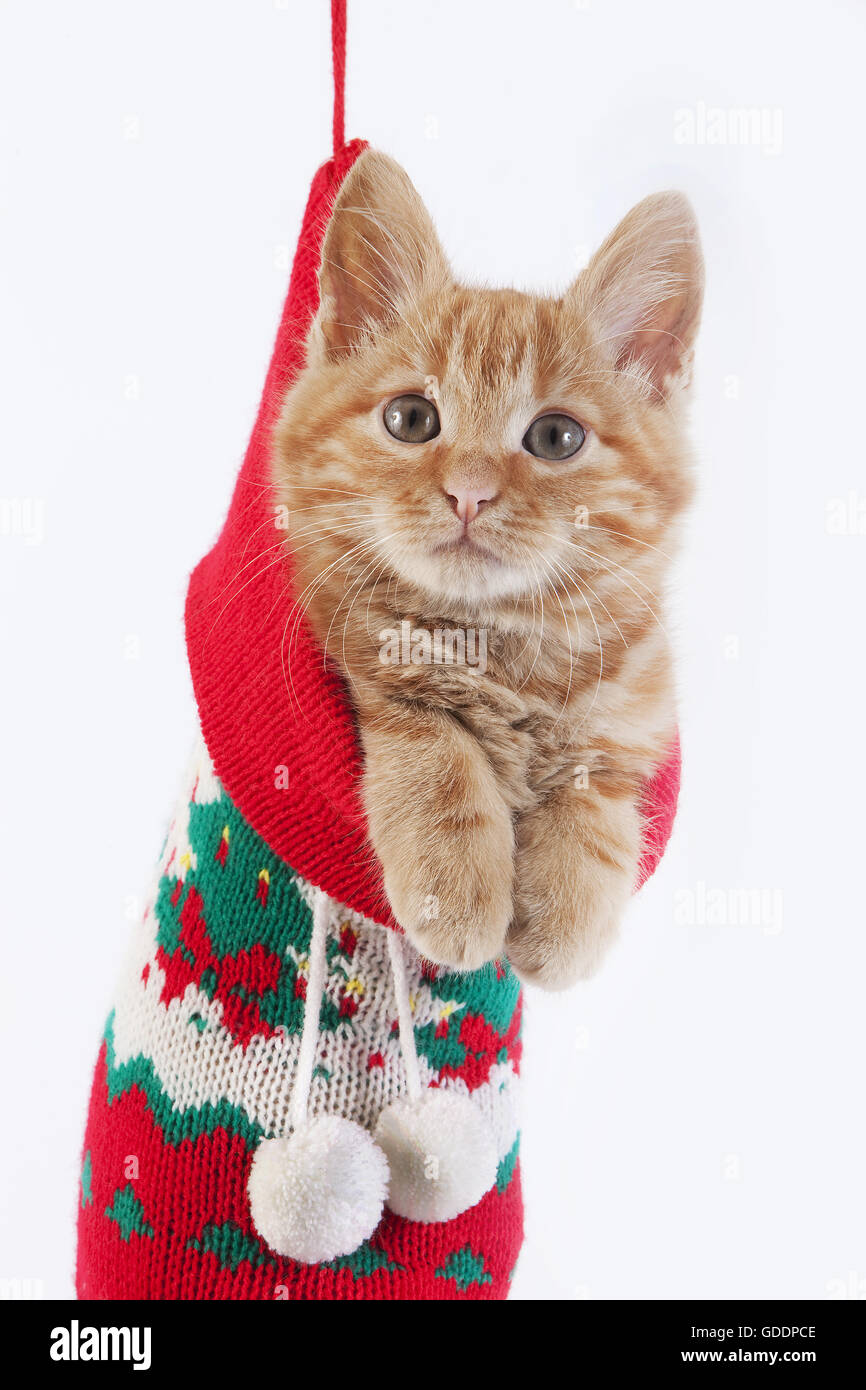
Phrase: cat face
(482,446)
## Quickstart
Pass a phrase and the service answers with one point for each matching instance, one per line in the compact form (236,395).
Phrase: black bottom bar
(252,1340)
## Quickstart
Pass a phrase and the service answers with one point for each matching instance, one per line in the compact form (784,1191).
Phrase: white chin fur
(457,580)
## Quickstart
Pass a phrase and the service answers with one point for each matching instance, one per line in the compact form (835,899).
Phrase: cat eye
(554,437)
(413,419)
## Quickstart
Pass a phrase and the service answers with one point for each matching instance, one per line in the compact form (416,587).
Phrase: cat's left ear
(380,250)
(643,290)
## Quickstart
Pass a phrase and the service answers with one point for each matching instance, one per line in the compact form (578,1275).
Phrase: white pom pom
(319,1193)
(441,1152)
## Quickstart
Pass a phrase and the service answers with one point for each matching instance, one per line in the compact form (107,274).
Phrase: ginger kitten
(506,471)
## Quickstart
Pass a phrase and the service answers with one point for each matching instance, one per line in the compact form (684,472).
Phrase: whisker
(588,711)
(584,580)
(599,560)
(607,530)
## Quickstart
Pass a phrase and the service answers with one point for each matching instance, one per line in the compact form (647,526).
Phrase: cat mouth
(465,545)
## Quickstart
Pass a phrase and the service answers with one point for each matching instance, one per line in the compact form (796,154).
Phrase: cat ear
(380,249)
(643,291)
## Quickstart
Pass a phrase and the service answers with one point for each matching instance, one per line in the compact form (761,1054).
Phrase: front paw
(575,870)
(563,939)
(451,891)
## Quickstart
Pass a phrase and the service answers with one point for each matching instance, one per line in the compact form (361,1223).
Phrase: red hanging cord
(338,47)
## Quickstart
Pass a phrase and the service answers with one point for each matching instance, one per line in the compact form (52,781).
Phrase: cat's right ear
(380,249)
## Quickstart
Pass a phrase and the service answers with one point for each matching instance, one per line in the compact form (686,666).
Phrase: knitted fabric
(198,1063)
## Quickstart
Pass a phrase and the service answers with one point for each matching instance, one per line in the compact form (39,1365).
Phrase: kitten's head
(482,445)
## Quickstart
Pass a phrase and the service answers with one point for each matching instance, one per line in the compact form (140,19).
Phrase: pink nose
(468,501)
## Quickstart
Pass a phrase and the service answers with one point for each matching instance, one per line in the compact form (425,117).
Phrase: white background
(693,1117)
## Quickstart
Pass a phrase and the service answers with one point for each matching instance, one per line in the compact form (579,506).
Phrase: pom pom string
(404,1016)
(312,1010)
